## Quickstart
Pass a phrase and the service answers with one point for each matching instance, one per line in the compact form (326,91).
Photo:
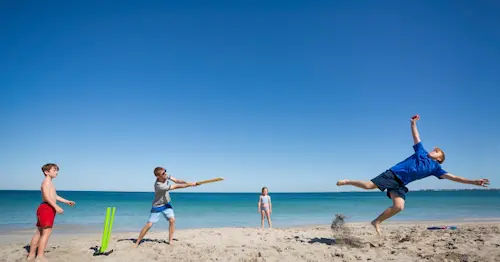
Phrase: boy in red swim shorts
(46,212)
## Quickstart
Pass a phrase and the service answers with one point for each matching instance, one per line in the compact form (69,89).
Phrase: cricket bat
(210,180)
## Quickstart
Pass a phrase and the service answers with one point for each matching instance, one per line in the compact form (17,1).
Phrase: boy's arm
(46,197)
(186,184)
(414,129)
(270,205)
(177,181)
(478,182)
(65,201)
(258,205)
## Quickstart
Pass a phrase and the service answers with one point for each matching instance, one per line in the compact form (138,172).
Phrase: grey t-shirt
(162,197)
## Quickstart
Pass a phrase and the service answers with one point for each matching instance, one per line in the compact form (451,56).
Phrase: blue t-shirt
(417,166)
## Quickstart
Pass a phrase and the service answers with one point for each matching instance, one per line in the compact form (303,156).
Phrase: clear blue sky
(289,94)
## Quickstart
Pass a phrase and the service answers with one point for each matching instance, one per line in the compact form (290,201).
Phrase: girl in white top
(265,208)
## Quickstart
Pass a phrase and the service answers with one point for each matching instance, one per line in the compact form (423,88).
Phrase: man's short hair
(440,161)
(159,171)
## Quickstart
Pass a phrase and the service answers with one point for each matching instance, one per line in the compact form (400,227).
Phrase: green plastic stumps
(106,234)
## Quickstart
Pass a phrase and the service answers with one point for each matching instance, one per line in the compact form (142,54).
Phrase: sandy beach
(472,241)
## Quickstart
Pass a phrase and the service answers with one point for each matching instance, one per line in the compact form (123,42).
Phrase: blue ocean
(202,210)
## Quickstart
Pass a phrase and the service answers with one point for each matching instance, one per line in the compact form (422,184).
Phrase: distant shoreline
(96,228)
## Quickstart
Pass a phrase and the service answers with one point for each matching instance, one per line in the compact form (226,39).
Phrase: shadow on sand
(133,240)
(28,248)
(97,253)
(322,240)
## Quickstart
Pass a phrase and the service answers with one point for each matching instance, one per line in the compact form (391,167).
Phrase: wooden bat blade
(210,180)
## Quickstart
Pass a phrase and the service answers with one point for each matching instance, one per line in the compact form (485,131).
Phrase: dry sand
(474,241)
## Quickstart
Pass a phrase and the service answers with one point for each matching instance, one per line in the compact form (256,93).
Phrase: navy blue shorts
(388,180)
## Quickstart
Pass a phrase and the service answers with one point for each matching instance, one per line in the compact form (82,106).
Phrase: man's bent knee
(171,220)
(398,207)
(370,185)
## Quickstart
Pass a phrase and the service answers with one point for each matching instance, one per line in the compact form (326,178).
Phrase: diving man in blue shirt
(419,165)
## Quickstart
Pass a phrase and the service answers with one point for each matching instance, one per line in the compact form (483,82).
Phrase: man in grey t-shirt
(162,197)
(161,202)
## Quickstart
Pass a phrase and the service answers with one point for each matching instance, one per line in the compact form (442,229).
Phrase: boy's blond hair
(440,161)
(47,167)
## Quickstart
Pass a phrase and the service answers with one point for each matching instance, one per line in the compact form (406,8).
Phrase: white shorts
(155,216)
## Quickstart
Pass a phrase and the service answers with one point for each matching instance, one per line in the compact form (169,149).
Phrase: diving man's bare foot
(342,182)
(376,225)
